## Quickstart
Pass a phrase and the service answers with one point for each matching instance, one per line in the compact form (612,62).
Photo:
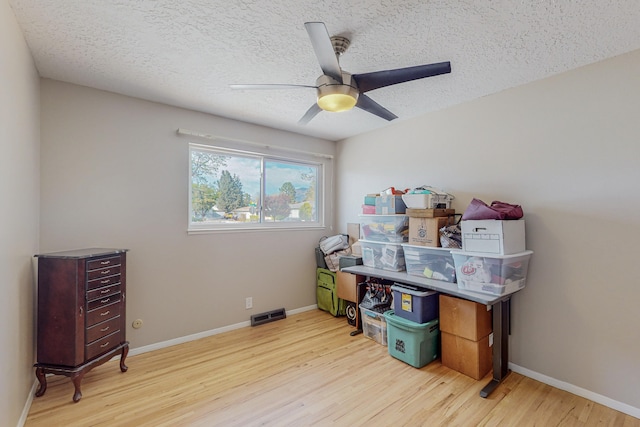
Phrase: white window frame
(321,162)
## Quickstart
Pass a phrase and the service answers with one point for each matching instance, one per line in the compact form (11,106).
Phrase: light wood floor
(302,371)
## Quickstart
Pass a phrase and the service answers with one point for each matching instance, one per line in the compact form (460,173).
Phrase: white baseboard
(27,405)
(204,334)
(578,391)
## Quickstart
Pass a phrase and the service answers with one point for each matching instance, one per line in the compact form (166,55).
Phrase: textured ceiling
(187,52)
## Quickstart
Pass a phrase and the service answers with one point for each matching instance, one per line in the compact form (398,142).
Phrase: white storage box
(434,263)
(493,236)
(497,274)
(427,201)
(384,228)
(387,256)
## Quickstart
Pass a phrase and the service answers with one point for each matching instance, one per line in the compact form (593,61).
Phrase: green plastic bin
(416,344)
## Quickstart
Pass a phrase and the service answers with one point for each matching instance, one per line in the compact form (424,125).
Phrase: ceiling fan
(339,90)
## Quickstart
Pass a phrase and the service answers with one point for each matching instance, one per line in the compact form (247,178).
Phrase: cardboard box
(430,213)
(347,285)
(493,236)
(353,231)
(472,358)
(464,318)
(426,231)
(386,204)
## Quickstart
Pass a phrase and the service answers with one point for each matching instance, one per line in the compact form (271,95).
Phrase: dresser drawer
(103,344)
(103,313)
(103,262)
(103,301)
(103,329)
(103,281)
(103,272)
(103,292)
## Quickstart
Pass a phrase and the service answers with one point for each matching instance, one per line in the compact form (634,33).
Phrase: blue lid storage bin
(413,343)
(417,305)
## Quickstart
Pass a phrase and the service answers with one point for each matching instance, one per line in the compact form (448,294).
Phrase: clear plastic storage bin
(496,274)
(384,228)
(434,263)
(386,256)
(374,325)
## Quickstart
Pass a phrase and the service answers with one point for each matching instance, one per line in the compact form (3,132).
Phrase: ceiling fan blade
(378,79)
(310,114)
(368,104)
(323,48)
(270,86)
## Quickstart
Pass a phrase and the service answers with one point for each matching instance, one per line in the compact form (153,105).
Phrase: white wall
(566,149)
(115,174)
(19,193)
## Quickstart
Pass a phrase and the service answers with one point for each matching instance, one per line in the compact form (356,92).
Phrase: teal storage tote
(416,344)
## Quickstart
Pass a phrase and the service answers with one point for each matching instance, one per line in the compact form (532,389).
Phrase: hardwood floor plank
(305,370)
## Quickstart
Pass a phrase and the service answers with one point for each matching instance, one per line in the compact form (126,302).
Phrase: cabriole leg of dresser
(123,356)
(77,379)
(42,378)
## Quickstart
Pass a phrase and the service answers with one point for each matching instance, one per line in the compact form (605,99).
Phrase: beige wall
(566,149)
(115,174)
(19,193)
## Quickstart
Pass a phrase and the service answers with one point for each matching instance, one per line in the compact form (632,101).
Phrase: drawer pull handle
(105,262)
(105,313)
(105,291)
(102,301)
(104,329)
(104,345)
(105,281)
(105,272)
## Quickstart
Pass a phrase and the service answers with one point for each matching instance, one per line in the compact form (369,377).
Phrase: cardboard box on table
(426,231)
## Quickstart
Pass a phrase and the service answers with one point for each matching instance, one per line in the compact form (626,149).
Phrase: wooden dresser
(81,313)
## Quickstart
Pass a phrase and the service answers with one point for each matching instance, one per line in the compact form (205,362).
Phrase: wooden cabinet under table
(81,313)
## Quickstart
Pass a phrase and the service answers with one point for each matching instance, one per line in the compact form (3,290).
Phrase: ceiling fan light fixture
(334,96)
(336,102)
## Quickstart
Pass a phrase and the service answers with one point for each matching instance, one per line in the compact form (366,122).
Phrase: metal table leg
(501,328)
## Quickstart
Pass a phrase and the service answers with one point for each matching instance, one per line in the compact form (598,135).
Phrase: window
(233,189)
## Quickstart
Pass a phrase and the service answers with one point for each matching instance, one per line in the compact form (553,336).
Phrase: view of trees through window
(243,188)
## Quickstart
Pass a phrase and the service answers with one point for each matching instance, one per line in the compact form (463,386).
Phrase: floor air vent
(269,316)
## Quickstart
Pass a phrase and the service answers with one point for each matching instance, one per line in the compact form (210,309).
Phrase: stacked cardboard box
(466,334)
(425,225)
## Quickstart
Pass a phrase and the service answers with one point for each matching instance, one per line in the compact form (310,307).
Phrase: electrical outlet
(248,303)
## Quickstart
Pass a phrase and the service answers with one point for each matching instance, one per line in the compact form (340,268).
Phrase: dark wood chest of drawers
(81,312)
